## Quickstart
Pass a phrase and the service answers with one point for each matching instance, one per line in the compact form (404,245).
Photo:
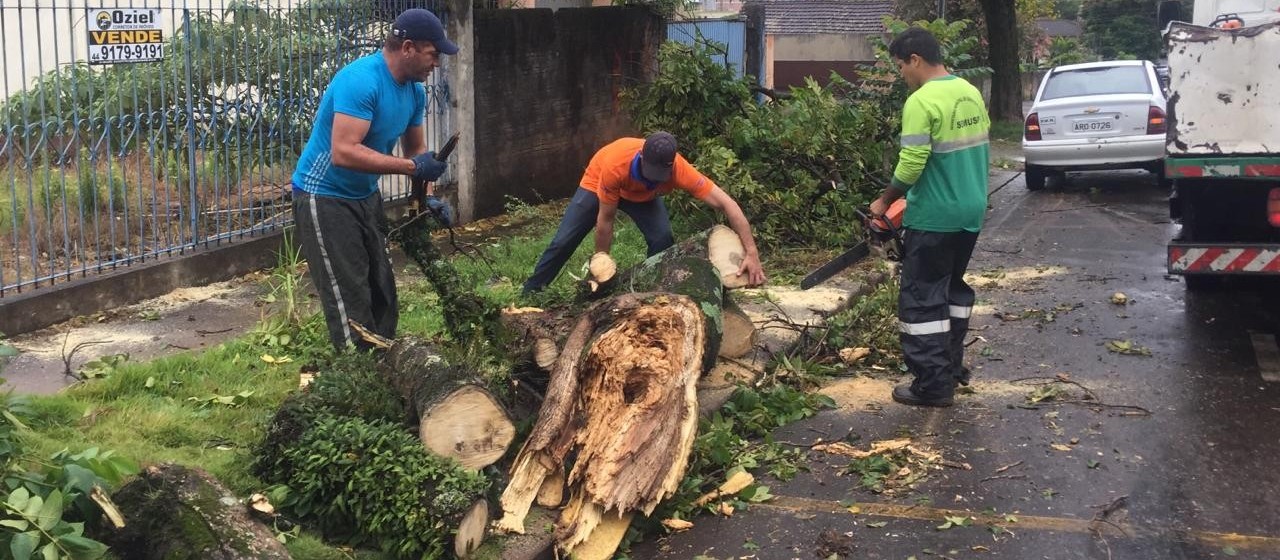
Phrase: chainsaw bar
(845,260)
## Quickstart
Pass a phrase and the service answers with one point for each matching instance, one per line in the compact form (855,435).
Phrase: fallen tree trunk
(171,511)
(456,414)
(622,398)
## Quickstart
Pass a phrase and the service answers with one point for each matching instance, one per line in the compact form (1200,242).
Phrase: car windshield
(1097,81)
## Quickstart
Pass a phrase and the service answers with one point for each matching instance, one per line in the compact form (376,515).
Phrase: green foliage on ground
(47,497)
(371,483)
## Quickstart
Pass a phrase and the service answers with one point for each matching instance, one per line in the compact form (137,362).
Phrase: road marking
(1030,522)
(1268,354)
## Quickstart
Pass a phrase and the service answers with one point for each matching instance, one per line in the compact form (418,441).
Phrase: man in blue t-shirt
(370,104)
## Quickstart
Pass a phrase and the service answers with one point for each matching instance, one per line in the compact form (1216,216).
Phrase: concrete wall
(789,59)
(547,87)
(824,46)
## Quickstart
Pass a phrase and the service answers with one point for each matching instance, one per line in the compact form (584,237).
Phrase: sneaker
(904,395)
(963,378)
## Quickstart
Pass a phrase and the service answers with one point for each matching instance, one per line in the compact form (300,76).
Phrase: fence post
(462,89)
(191,131)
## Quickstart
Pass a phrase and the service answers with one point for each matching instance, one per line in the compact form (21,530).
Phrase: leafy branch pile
(49,500)
(798,165)
(343,461)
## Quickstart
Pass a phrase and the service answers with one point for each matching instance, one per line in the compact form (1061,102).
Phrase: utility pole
(942,9)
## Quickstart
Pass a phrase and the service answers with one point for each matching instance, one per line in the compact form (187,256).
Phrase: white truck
(1223,145)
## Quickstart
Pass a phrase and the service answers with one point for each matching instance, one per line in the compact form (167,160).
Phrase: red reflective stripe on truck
(1262,170)
(1242,261)
(1206,259)
(1190,171)
(1273,266)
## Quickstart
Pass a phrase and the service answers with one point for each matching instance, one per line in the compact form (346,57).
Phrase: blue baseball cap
(417,24)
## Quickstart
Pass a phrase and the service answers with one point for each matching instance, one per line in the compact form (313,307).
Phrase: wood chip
(677,525)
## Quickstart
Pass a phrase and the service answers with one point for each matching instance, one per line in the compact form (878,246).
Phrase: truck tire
(1035,176)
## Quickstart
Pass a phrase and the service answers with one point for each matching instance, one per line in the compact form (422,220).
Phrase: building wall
(792,58)
(547,95)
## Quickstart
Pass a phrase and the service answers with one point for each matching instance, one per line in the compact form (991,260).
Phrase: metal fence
(730,34)
(177,132)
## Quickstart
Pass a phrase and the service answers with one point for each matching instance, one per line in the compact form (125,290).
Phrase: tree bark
(1002,41)
(173,512)
(622,397)
(456,414)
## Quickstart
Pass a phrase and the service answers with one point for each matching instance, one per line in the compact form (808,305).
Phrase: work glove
(427,168)
(440,209)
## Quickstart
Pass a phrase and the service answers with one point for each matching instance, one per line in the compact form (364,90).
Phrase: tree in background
(1002,44)
(1121,29)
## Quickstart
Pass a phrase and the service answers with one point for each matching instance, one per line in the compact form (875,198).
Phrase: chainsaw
(885,232)
(418,189)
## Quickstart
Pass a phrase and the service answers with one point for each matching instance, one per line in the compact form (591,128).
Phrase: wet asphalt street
(1197,478)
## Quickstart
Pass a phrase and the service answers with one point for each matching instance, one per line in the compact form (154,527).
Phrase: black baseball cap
(658,156)
(417,24)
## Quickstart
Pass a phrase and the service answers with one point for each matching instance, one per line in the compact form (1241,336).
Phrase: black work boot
(904,395)
(963,378)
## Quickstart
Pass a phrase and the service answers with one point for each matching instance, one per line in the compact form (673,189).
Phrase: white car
(1098,115)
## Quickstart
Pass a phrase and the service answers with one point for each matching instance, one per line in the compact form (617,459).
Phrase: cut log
(739,332)
(602,271)
(724,249)
(457,415)
(545,353)
(176,512)
(471,530)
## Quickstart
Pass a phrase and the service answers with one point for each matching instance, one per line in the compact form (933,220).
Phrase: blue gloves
(440,209)
(427,168)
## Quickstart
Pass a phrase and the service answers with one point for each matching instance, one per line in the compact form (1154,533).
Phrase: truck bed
(1224,91)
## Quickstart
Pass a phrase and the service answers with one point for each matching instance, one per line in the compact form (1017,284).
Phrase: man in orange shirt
(631,174)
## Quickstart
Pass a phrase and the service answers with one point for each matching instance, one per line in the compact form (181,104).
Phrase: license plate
(1091,126)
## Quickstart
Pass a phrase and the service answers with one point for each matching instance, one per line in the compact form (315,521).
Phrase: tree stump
(173,513)
(622,398)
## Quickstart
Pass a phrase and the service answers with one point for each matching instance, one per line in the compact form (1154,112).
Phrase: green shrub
(372,483)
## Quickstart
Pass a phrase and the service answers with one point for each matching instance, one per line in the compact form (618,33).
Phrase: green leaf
(50,551)
(877,524)
(7,351)
(16,524)
(1229,551)
(33,507)
(151,382)
(14,420)
(51,513)
(18,499)
(24,545)
(756,494)
(82,547)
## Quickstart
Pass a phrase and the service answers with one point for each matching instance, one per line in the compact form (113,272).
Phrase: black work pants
(346,251)
(934,305)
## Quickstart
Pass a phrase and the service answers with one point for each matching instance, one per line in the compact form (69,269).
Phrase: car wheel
(1035,176)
